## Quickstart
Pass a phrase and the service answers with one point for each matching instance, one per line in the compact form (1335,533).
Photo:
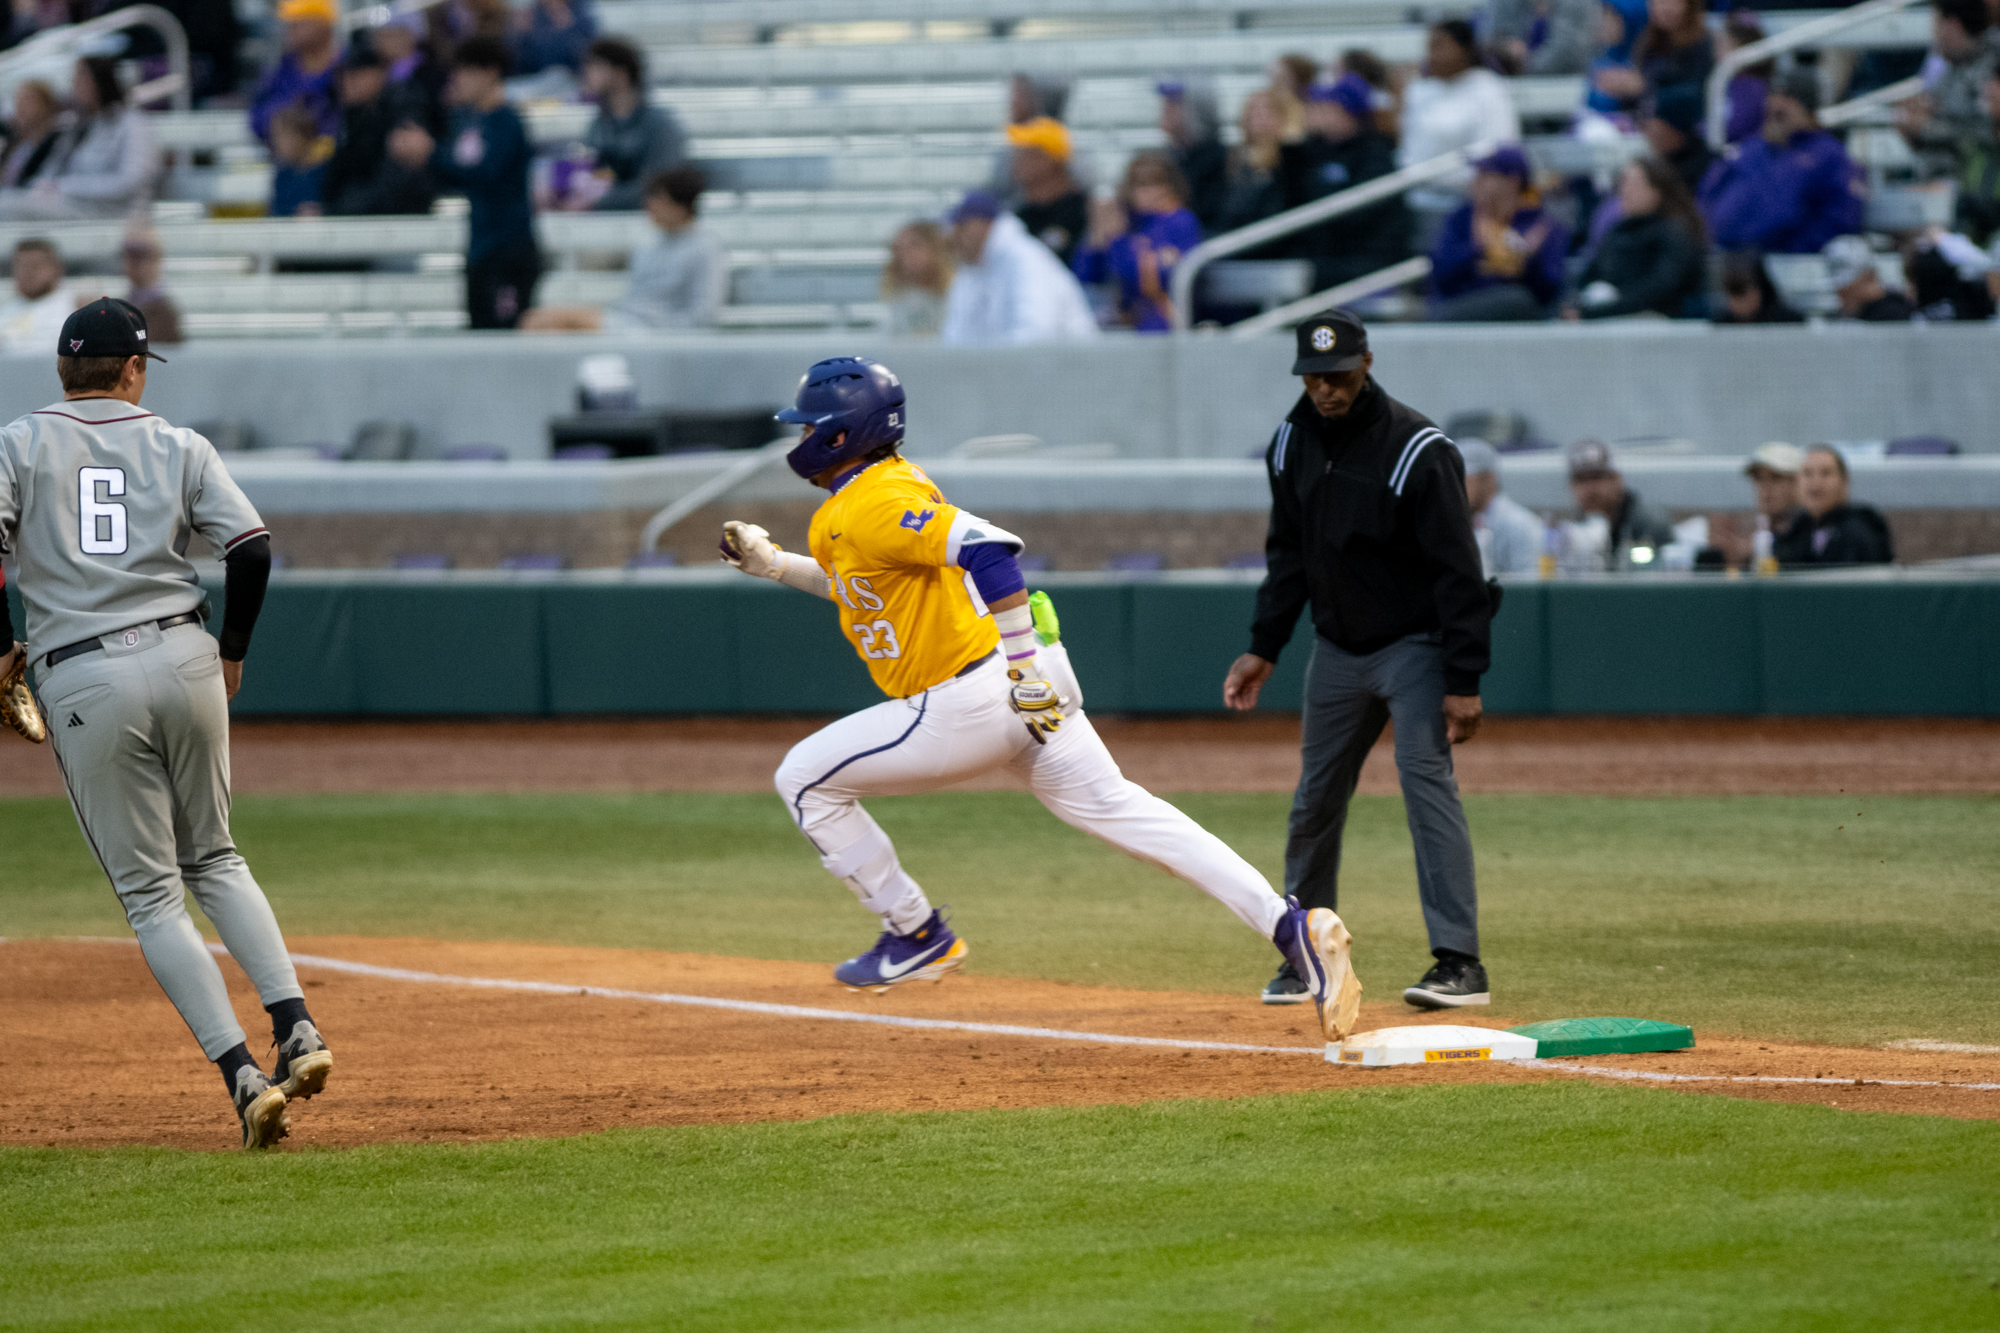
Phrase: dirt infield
(1608,756)
(91,1054)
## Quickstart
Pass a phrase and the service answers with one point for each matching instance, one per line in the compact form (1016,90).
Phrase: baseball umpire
(97,500)
(1369,524)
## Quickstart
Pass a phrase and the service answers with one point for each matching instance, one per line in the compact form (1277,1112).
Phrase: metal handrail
(1805,34)
(374,16)
(1395,275)
(1854,108)
(714,488)
(1310,215)
(56,42)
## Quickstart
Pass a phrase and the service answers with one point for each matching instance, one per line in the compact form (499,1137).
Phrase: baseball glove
(17,702)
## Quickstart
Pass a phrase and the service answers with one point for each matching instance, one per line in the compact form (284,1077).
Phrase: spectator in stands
(1342,149)
(1598,488)
(32,319)
(299,157)
(481,18)
(1136,240)
(109,160)
(1675,47)
(554,34)
(1851,272)
(1749,296)
(680,280)
(1655,259)
(1456,103)
(1979,183)
(1619,23)
(1750,86)
(29,17)
(143,260)
(1833,531)
(1774,476)
(1791,189)
(1383,97)
(1500,256)
(1256,187)
(214,36)
(634,141)
(916,279)
(1947,117)
(416,76)
(1948,277)
(33,136)
(1009,287)
(486,155)
(1542,37)
(1671,122)
(1030,97)
(1291,74)
(361,178)
(1189,119)
(1509,534)
(305,75)
(1053,207)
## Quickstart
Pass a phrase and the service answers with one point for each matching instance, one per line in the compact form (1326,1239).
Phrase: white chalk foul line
(1652,1076)
(1013,1030)
(787,1010)
(1943,1047)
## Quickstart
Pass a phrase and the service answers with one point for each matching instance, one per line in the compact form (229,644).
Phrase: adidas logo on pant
(75,721)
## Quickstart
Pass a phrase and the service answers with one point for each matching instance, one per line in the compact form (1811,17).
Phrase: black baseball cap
(1330,344)
(106,327)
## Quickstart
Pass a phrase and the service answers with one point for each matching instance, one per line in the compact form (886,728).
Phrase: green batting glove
(1048,629)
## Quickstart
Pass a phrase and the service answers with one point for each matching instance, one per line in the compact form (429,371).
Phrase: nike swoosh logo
(833,536)
(891,973)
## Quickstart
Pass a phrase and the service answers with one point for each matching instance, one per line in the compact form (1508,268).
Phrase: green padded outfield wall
(338,645)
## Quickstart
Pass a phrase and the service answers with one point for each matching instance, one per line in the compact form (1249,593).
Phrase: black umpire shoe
(1288,987)
(1451,983)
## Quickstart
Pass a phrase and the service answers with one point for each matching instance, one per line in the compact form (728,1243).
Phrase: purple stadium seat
(584,453)
(1034,564)
(1921,446)
(1137,562)
(475,453)
(1247,560)
(653,560)
(541,562)
(419,561)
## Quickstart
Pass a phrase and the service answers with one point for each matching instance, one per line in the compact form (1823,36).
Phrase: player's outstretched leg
(1076,778)
(895,748)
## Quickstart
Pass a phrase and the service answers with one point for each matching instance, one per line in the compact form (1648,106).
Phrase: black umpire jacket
(1369,522)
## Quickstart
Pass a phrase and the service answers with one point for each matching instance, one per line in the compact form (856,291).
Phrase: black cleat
(1451,983)
(1288,987)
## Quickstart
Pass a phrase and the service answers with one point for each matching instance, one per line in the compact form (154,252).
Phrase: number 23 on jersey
(877,637)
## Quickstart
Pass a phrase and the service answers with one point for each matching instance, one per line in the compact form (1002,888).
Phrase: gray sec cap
(1777,456)
(1330,344)
(1480,457)
(1590,458)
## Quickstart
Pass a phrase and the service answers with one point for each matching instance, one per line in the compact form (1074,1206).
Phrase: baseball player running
(933,599)
(97,500)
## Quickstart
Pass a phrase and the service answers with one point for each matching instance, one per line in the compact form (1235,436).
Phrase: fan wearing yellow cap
(305,75)
(1053,208)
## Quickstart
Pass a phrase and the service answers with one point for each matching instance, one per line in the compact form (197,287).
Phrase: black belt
(973,665)
(82,646)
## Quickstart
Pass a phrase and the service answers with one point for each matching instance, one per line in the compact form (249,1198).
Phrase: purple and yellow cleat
(925,954)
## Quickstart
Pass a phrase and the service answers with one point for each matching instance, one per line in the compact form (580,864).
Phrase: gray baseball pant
(141,732)
(1348,700)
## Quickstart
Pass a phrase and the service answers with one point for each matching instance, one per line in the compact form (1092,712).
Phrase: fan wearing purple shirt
(1136,240)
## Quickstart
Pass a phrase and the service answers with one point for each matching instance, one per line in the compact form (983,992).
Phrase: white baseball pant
(966,727)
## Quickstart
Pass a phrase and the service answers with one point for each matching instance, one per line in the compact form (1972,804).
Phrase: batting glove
(749,548)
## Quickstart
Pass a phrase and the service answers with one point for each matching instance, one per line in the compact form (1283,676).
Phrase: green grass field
(1566,1206)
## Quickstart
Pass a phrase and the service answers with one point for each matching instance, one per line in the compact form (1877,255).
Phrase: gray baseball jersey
(97,501)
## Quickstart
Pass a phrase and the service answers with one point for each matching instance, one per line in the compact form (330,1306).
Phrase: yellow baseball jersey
(886,540)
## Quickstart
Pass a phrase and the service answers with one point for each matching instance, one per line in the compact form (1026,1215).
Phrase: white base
(1430,1044)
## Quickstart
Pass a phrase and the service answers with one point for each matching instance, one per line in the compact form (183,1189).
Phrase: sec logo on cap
(1323,338)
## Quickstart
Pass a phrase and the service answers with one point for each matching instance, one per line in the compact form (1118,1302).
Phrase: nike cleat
(303,1062)
(261,1108)
(1322,953)
(925,954)
(1455,982)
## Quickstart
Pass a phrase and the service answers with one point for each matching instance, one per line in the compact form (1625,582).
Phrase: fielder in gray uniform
(98,499)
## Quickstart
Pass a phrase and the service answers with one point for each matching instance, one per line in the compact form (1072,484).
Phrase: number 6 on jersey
(103,524)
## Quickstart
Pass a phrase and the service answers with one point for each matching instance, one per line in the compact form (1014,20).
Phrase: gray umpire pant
(141,733)
(1349,698)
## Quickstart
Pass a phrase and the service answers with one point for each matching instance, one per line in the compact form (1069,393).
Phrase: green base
(1603,1036)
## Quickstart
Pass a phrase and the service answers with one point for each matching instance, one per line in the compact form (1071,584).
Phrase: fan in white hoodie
(1009,287)
(1456,104)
